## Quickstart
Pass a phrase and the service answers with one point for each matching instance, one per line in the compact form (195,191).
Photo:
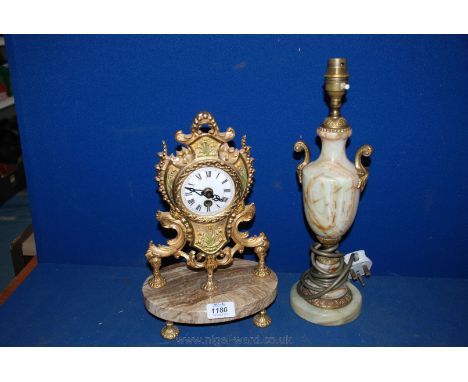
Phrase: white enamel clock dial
(208,191)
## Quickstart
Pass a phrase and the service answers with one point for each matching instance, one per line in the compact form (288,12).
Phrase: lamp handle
(362,171)
(298,147)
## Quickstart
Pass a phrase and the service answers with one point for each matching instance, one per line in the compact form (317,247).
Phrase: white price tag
(220,310)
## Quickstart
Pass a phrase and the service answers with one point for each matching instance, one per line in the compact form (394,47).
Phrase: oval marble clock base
(327,317)
(183,301)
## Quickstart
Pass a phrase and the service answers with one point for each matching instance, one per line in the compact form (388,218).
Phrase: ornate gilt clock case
(205,185)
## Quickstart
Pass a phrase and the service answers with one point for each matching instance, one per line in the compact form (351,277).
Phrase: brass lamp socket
(336,83)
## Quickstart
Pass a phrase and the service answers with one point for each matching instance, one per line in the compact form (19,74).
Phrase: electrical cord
(317,282)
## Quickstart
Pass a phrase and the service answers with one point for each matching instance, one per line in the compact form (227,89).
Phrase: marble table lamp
(331,187)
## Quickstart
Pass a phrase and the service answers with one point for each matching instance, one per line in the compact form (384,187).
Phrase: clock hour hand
(198,192)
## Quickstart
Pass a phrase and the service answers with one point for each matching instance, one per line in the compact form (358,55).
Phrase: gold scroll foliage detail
(211,238)
(205,147)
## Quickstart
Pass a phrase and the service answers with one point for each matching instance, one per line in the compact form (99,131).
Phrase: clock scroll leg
(156,281)
(259,243)
(262,319)
(169,331)
(261,251)
(154,254)
(210,267)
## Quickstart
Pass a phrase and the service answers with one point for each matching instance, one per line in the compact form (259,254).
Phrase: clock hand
(207,193)
(216,198)
(198,192)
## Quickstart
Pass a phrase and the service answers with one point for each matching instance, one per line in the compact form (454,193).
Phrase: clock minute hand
(198,192)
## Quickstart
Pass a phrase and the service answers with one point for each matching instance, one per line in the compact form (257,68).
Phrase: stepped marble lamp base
(182,299)
(327,317)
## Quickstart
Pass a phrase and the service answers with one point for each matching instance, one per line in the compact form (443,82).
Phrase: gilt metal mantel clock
(205,185)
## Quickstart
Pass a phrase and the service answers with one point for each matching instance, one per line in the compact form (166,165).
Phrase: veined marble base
(327,317)
(182,300)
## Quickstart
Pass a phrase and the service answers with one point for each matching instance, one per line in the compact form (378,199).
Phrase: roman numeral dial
(207,191)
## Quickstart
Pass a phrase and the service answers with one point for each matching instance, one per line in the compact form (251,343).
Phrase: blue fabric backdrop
(93,111)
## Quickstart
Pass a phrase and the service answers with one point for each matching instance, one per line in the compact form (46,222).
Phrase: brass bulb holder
(336,84)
